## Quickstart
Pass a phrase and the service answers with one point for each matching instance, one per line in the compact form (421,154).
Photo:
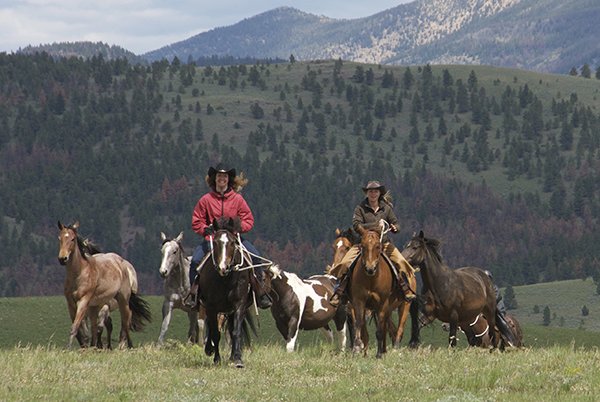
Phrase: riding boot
(194,295)
(258,286)
(339,291)
(407,292)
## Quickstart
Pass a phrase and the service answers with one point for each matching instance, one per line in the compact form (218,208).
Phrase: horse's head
(370,244)
(419,247)
(225,242)
(171,253)
(67,241)
(342,245)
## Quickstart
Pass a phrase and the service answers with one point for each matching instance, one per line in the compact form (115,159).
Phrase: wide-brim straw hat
(374,185)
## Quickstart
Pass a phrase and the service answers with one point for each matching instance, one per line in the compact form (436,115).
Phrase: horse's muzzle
(62,260)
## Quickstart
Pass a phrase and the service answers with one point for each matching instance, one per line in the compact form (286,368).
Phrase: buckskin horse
(303,304)
(175,270)
(92,281)
(457,297)
(371,287)
(342,244)
(224,282)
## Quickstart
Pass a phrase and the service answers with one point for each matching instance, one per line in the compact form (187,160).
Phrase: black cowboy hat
(221,168)
(374,185)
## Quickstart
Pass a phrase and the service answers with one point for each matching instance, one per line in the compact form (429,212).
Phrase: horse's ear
(421,235)
(180,237)
(163,236)
(60,225)
(337,232)
(76,226)
(361,230)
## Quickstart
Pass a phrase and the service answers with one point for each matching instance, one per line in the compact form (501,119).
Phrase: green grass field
(557,364)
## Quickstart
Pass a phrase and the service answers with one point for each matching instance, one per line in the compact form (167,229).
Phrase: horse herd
(97,283)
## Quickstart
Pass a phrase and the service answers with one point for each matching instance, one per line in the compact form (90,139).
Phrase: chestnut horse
(342,244)
(93,281)
(225,287)
(371,287)
(454,296)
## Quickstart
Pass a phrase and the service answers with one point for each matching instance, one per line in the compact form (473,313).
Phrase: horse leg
(80,314)
(103,317)
(358,314)
(382,329)
(327,333)
(167,310)
(340,325)
(453,328)
(201,324)
(93,315)
(125,321)
(290,332)
(109,328)
(415,336)
(236,337)
(213,337)
(194,330)
(403,312)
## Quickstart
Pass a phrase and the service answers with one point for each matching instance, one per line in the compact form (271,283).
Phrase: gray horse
(175,270)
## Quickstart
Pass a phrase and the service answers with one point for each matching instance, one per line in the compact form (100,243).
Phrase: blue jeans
(204,248)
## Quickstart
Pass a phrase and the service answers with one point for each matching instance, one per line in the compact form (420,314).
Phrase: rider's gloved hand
(209,230)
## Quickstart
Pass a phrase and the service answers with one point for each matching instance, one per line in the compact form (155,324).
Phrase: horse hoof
(238,363)
(209,351)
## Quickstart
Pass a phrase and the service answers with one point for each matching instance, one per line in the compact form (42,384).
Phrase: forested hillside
(502,165)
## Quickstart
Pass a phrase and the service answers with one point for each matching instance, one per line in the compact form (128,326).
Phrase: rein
(245,256)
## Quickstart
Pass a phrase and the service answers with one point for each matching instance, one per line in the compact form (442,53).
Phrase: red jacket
(212,206)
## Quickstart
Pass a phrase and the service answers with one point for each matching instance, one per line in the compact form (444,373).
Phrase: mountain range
(540,35)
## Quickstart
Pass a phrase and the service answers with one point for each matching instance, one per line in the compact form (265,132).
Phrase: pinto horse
(454,296)
(372,288)
(92,281)
(303,304)
(175,270)
(224,282)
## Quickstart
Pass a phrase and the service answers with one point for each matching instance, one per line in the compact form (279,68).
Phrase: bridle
(245,255)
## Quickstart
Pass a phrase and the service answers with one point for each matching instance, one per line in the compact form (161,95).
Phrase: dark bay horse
(93,281)
(225,287)
(175,270)
(457,297)
(304,304)
(478,333)
(372,288)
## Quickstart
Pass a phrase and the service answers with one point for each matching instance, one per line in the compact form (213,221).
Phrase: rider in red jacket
(224,200)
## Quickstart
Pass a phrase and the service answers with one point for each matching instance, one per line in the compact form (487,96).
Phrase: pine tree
(509,298)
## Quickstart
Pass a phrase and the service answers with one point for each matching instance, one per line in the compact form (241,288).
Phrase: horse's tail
(140,312)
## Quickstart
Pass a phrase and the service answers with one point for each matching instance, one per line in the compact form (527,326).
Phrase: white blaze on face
(221,259)
(168,253)
(339,244)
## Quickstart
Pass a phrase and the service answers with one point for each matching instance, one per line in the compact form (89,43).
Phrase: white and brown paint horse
(303,304)
(92,281)
(175,270)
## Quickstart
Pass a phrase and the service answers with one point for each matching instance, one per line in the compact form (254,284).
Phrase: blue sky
(144,25)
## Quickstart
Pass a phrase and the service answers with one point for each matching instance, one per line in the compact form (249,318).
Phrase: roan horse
(225,286)
(304,304)
(372,288)
(457,297)
(342,244)
(175,270)
(92,281)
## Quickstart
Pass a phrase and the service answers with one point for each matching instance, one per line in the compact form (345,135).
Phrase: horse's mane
(86,247)
(433,247)
(233,225)
(350,235)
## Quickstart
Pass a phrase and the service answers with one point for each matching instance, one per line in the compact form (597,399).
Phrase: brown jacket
(365,216)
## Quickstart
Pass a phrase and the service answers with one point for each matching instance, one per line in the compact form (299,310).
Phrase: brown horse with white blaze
(372,288)
(92,281)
